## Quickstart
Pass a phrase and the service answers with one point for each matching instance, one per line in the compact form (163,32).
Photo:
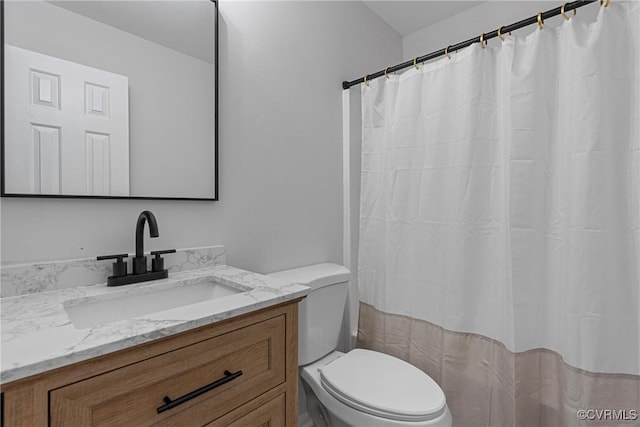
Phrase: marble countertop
(38,335)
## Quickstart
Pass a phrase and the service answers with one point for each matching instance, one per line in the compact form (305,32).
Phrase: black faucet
(140,261)
(140,273)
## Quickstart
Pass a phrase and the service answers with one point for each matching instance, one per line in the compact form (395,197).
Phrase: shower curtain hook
(385,73)
(365,80)
(446,52)
(500,36)
(606,3)
(483,43)
(415,63)
(540,20)
(564,15)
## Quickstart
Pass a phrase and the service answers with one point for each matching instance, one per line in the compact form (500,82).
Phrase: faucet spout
(140,261)
(143,218)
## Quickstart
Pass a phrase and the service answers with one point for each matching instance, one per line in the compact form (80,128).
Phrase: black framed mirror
(110,99)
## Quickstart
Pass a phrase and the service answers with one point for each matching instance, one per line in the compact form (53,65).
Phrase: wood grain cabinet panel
(270,414)
(129,390)
(131,395)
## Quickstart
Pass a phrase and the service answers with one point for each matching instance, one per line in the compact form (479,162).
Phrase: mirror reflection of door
(67,128)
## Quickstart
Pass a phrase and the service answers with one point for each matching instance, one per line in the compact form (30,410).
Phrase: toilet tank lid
(315,276)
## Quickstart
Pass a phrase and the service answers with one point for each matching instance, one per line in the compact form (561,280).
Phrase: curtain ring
(415,63)
(606,3)
(500,36)
(385,73)
(564,15)
(483,43)
(540,20)
(365,80)
(446,52)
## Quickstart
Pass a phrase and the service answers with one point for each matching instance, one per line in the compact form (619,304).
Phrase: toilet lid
(383,385)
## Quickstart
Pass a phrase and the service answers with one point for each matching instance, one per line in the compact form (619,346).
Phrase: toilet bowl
(361,388)
(367,388)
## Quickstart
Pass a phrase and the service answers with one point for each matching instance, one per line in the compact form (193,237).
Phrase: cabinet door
(132,395)
(270,414)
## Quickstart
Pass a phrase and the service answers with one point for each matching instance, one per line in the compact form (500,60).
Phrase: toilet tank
(320,313)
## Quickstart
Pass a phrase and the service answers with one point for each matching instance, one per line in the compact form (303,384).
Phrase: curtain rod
(567,7)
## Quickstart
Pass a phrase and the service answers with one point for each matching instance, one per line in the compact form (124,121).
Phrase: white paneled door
(67,127)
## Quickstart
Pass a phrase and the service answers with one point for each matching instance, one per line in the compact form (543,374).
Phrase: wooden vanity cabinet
(238,372)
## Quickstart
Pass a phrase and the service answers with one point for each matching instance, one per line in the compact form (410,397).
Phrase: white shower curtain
(500,223)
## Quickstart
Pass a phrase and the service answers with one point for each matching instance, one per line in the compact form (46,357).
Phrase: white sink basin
(126,305)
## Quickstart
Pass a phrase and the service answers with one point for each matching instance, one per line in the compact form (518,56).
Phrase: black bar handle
(157,263)
(118,256)
(119,267)
(170,404)
(166,251)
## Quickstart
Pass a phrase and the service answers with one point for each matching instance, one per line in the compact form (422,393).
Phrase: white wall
(485,17)
(281,68)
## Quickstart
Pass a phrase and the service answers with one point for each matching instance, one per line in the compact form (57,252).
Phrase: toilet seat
(384,386)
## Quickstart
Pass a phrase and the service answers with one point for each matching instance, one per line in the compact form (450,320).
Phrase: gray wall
(281,65)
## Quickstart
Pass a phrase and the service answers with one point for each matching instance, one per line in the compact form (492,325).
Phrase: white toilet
(361,388)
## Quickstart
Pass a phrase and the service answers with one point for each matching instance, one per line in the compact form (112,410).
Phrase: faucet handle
(166,251)
(120,266)
(157,263)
